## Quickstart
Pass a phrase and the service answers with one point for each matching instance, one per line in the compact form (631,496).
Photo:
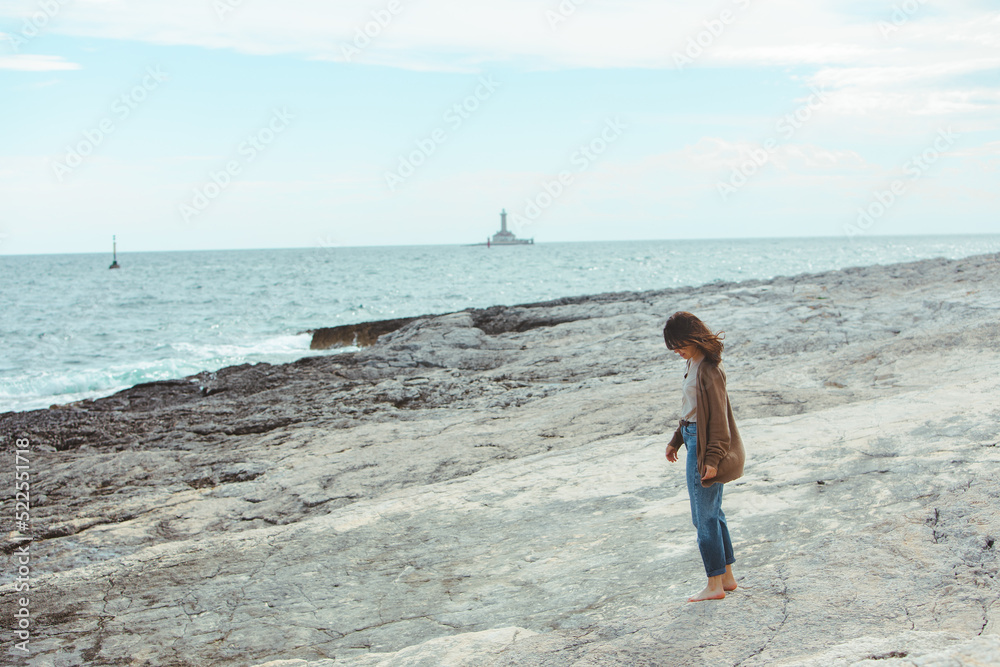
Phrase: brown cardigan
(719,442)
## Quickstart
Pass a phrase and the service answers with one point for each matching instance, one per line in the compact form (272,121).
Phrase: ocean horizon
(72,329)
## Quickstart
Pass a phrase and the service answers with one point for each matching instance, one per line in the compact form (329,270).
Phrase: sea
(73,329)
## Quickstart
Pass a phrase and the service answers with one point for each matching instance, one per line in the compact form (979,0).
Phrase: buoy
(114,251)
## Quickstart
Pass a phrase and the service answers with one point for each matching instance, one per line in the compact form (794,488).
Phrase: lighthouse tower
(506,237)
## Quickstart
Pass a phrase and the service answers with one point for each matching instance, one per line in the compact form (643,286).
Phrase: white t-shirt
(689,404)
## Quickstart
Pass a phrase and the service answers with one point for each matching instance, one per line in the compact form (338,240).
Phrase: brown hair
(683,329)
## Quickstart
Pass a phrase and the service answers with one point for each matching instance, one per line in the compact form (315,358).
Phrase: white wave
(30,391)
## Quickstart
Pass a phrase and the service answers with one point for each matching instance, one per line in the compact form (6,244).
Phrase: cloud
(716,157)
(571,33)
(36,63)
(985,156)
(874,61)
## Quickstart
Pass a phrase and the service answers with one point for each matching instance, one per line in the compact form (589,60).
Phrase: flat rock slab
(541,524)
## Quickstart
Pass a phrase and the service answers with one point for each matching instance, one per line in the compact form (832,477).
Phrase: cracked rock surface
(489,488)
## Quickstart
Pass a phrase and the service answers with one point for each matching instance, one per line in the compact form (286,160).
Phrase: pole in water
(114,250)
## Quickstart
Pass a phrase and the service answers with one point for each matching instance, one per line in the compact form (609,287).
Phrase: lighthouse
(505,237)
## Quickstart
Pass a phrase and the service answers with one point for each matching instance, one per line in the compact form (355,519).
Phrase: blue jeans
(706,512)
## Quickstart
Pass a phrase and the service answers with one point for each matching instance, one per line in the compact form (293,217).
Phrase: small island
(504,237)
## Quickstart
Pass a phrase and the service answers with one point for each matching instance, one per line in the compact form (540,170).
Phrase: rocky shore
(488,487)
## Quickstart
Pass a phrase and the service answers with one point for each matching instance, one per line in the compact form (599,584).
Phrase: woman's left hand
(710,472)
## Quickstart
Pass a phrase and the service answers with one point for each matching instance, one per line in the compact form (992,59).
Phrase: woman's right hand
(671,454)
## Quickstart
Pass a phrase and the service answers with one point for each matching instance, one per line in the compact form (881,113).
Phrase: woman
(714,449)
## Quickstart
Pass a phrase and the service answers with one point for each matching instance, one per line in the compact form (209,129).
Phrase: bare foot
(728,580)
(708,593)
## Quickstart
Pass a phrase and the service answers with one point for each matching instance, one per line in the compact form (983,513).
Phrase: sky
(218,124)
